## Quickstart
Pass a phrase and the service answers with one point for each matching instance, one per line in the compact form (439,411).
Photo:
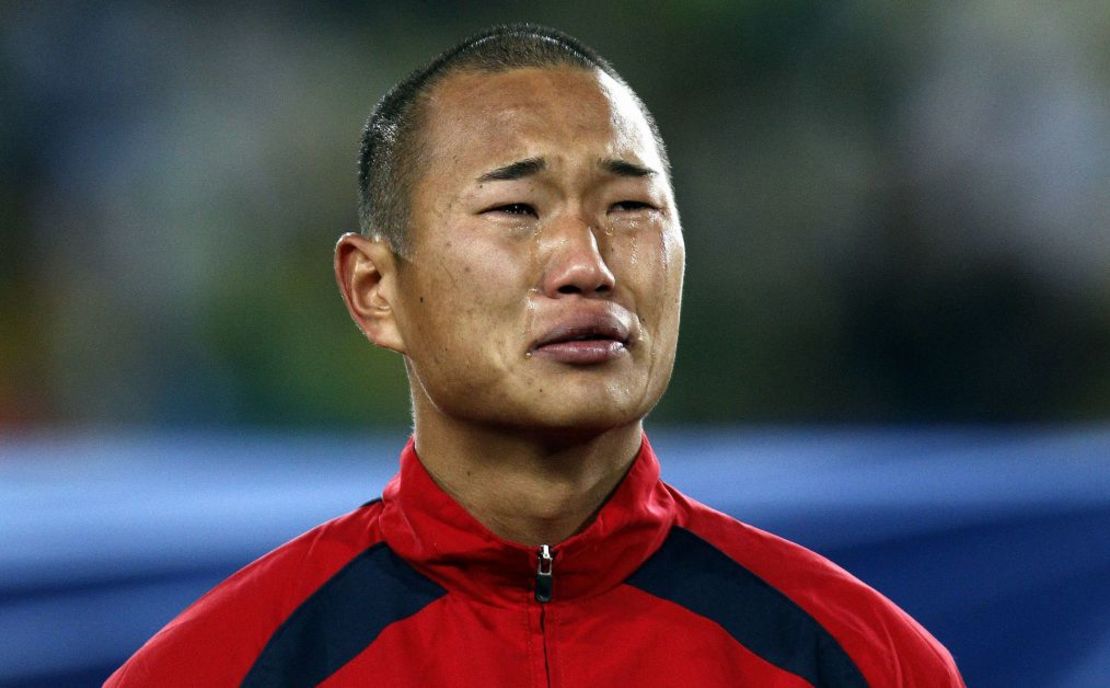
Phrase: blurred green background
(894,211)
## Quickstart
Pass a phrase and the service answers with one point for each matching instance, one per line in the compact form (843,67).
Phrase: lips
(584,339)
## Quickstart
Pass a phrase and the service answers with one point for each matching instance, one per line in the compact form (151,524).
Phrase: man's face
(544,282)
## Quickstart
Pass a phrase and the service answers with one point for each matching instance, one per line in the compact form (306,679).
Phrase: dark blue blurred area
(996,540)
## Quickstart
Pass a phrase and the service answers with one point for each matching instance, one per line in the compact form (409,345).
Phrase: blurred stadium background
(896,337)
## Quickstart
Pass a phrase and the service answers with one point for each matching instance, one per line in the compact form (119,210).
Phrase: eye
(522,209)
(631,206)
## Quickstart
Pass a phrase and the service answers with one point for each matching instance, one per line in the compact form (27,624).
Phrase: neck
(523,486)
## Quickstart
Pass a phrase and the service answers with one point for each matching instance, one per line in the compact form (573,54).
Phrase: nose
(574,262)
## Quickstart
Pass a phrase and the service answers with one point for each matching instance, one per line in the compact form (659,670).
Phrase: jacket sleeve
(217,640)
(890,648)
(910,657)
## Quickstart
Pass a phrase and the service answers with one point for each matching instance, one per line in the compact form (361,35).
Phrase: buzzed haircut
(391,153)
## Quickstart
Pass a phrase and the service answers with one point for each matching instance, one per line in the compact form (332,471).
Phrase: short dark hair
(390,153)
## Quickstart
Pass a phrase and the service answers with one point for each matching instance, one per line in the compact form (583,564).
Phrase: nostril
(575,289)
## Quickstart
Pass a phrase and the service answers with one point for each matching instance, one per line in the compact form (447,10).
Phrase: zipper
(545,579)
(545,574)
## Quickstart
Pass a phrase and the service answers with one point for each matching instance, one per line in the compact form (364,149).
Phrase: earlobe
(365,271)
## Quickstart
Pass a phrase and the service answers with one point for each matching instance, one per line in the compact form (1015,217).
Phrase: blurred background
(897,219)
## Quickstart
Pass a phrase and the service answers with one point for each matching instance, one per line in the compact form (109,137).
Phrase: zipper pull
(544,577)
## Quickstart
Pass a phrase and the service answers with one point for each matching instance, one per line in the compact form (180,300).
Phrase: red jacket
(411,591)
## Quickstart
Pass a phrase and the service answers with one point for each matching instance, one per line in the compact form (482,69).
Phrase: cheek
(673,249)
(473,295)
(652,263)
(493,279)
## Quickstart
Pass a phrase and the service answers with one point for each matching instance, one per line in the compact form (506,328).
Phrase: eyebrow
(526,168)
(623,168)
(516,170)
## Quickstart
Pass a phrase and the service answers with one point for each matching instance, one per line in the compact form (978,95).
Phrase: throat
(531,497)
(535,512)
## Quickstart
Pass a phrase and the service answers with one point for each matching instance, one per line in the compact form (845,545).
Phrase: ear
(366,272)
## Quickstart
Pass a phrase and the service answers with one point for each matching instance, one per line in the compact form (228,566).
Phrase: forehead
(486,118)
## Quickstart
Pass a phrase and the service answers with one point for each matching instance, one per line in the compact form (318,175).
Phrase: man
(523,252)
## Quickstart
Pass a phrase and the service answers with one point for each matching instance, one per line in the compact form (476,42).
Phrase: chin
(595,405)
(593,417)
(569,434)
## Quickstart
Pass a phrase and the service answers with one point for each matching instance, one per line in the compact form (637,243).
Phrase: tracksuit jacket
(659,590)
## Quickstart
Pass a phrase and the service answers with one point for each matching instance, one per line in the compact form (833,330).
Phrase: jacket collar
(423,525)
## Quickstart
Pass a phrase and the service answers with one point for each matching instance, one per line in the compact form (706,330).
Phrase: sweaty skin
(538,308)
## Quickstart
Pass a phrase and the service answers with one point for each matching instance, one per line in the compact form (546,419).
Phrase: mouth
(584,340)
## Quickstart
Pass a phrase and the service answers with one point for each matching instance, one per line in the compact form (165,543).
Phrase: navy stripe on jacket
(694,574)
(340,619)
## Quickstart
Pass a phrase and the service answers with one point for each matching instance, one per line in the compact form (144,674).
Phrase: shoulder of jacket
(888,645)
(231,623)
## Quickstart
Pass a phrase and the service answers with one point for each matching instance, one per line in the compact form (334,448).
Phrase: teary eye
(631,206)
(514,209)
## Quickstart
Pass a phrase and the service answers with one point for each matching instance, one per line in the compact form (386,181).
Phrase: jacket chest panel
(622,637)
